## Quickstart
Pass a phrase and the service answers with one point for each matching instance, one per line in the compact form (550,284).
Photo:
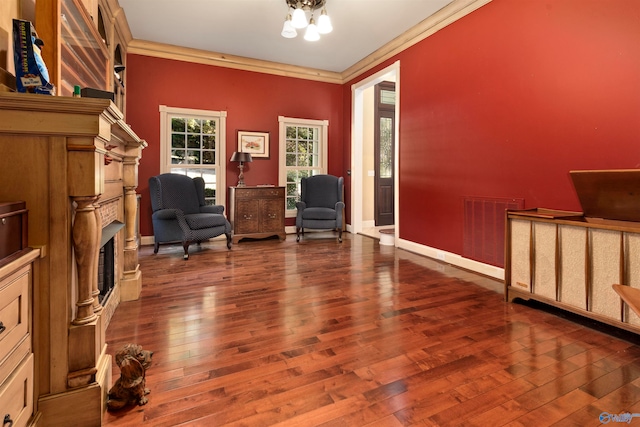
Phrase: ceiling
(251,28)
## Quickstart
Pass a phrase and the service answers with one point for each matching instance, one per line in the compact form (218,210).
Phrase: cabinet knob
(8,422)
(4,221)
(2,328)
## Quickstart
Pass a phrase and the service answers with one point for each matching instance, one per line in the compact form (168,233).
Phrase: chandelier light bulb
(287,29)
(299,19)
(312,33)
(324,23)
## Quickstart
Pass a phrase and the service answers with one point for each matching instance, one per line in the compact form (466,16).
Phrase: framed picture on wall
(254,143)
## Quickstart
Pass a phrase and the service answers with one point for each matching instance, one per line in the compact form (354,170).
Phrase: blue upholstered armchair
(180,213)
(320,205)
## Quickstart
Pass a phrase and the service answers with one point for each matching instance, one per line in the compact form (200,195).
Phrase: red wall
(502,103)
(509,99)
(253,101)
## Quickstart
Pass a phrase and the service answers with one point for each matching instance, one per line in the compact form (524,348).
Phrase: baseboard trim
(437,254)
(453,259)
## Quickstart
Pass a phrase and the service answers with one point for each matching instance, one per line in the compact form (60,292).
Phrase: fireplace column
(132,277)
(85,245)
(97,307)
(86,333)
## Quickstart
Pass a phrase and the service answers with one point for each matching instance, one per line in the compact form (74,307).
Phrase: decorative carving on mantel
(107,158)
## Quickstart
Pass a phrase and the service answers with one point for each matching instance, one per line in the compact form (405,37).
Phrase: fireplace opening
(106,270)
(107,261)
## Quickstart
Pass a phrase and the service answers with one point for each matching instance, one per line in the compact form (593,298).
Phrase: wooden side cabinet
(257,212)
(16,352)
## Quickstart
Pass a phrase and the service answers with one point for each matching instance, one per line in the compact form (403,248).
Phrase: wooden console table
(584,262)
(571,262)
(257,212)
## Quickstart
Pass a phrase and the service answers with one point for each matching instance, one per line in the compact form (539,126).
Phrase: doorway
(383,152)
(363,169)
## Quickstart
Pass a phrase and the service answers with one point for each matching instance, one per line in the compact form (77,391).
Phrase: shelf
(84,55)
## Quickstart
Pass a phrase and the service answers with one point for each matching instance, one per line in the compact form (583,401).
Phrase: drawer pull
(2,329)
(8,422)
(248,216)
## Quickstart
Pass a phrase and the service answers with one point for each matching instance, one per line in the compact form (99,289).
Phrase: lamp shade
(287,29)
(239,156)
(299,19)
(324,23)
(312,34)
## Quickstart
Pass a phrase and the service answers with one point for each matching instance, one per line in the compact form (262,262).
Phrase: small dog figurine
(130,389)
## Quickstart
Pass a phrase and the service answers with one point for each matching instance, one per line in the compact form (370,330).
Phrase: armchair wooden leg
(340,235)
(156,245)
(297,234)
(229,240)
(185,245)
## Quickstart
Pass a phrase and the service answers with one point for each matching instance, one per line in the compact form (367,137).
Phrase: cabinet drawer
(244,193)
(16,394)
(14,311)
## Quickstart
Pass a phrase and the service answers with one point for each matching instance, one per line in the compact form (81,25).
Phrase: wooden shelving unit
(83,54)
(84,40)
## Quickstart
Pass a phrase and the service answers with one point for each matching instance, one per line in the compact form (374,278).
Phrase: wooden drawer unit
(16,395)
(16,354)
(257,212)
(14,309)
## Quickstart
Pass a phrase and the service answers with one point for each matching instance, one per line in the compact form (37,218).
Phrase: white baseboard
(453,259)
(368,224)
(147,240)
(437,254)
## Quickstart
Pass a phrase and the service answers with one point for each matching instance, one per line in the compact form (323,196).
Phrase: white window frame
(166,114)
(323,127)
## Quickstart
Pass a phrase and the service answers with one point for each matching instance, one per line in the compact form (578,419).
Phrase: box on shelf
(88,92)
(13,228)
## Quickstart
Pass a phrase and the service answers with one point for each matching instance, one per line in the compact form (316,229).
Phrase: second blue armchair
(320,205)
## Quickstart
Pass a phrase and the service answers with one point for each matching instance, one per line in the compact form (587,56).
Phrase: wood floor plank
(319,333)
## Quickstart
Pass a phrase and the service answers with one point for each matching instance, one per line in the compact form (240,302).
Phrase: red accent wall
(253,101)
(502,103)
(509,99)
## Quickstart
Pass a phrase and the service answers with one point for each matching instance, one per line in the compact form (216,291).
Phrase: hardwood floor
(319,333)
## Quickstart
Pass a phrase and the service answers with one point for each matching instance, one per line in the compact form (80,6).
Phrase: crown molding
(118,19)
(166,51)
(445,16)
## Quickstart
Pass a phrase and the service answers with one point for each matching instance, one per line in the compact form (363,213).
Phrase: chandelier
(298,19)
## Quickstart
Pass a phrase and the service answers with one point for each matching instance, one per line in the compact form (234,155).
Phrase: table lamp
(241,157)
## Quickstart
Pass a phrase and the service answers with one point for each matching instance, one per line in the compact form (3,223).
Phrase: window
(303,153)
(192,144)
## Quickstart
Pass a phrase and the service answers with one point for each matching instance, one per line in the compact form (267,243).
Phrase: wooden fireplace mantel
(74,161)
